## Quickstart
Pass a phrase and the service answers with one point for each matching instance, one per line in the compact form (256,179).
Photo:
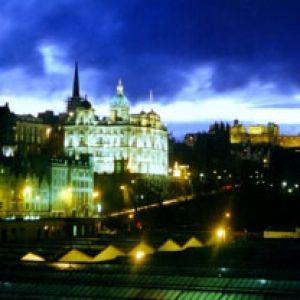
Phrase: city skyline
(232,60)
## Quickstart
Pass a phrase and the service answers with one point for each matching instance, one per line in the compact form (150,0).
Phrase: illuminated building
(25,196)
(25,133)
(282,233)
(262,134)
(67,192)
(31,133)
(254,134)
(238,133)
(137,143)
(289,141)
(180,171)
(72,187)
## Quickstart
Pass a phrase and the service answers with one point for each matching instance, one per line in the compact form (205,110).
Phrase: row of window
(82,184)
(115,131)
(28,138)
(120,143)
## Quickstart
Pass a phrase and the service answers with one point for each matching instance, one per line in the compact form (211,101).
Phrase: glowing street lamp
(27,191)
(228,215)
(283,184)
(66,197)
(221,234)
(139,255)
(95,194)
(99,208)
(48,132)
(66,192)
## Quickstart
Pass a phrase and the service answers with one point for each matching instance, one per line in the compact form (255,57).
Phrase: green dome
(119,99)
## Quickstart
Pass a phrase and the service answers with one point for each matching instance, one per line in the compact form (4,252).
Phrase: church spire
(76,93)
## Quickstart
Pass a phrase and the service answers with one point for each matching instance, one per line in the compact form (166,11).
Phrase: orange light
(139,255)
(221,233)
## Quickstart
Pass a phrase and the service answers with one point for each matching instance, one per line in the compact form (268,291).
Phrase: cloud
(54,59)
(204,60)
(33,93)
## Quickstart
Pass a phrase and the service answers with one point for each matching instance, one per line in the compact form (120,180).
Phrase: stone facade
(137,143)
(72,187)
(262,134)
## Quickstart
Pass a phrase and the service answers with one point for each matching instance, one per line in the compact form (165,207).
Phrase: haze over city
(203,60)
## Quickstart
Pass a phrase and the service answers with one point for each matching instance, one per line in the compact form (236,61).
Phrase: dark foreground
(255,269)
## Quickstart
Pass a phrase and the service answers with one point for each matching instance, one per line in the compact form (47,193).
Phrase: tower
(119,107)
(76,93)
(75,101)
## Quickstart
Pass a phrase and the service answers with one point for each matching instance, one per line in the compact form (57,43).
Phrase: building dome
(152,112)
(85,104)
(119,99)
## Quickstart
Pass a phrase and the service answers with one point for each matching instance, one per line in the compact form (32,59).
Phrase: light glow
(27,191)
(227,215)
(139,255)
(30,256)
(221,233)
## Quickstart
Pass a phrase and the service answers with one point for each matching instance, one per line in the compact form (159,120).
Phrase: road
(167,202)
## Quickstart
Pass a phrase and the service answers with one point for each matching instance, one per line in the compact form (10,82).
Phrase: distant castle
(262,134)
(252,135)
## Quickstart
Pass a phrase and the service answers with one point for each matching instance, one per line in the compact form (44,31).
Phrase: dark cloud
(152,44)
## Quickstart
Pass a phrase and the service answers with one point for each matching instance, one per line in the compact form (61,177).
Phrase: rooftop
(245,270)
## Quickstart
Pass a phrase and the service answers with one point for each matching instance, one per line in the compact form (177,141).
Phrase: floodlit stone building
(22,195)
(65,190)
(254,134)
(31,133)
(262,134)
(137,143)
(71,188)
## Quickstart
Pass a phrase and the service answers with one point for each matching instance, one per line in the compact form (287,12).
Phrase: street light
(99,208)
(221,234)
(95,194)
(66,192)
(283,184)
(139,255)
(66,197)
(27,191)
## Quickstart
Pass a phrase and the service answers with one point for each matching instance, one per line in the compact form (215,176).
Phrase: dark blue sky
(204,60)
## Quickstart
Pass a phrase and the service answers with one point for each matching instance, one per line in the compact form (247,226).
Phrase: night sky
(204,60)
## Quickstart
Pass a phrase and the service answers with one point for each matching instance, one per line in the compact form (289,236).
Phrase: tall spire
(76,93)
